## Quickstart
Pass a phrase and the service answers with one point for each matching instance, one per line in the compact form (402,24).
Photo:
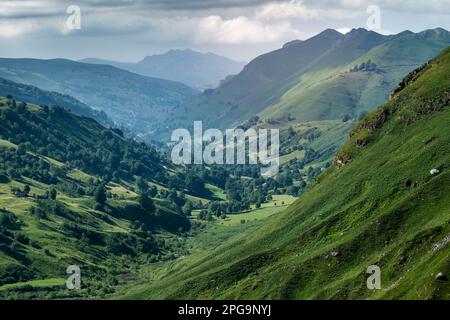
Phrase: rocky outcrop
(410,78)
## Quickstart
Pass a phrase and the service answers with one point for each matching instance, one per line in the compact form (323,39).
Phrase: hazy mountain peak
(361,32)
(437,32)
(404,33)
(196,69)
(358,31)
(172,52)
(328,34)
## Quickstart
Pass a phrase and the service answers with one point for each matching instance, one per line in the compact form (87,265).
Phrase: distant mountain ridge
(37,96)
(133,101)
(309,80)
(198,70)
(323,95)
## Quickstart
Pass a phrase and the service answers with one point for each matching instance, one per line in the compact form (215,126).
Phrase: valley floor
(216,235)
(200,244)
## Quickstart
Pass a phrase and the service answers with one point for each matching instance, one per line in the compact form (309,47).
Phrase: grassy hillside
(335,89)
(265,80)
(132,101)
(75,193)
(260,84)
(333,93)
(377,205)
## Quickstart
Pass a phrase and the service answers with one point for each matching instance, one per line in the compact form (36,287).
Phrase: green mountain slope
(74,193)
(37,96)
(310,80)
(260,83)
(331,95)
(195,69)
(132,101)
(377,205)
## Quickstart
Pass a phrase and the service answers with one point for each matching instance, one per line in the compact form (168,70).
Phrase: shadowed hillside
(197,70)
(132,101)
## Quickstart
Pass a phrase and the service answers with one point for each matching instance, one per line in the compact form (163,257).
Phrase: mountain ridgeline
(195,69)
(132,101)
(310,80)
(37,96)
(384,202)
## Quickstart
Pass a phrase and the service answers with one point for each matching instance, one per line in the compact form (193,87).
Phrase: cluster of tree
(368,66)
(15,163)
(189,181)
(21,193)
(221,209)
(253,121)
(15,273)
(7,220)
(78,142)
(46,207)
(292,140)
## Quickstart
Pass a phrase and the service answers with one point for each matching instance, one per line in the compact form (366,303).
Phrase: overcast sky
(128,30)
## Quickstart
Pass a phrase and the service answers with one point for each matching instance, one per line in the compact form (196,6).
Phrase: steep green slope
(132,101)
(195,69)
(260,84)
(310,80)
(348,90)
(265,80)
(70,195)
(377,205)
(37,96)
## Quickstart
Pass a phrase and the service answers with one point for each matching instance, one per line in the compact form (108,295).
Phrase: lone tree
(141,185)
(53,194)
(26,190)
(146,203)
(100,195)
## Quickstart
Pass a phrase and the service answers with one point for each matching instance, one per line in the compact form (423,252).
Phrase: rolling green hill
(75,193)
(132,101)
(379,204)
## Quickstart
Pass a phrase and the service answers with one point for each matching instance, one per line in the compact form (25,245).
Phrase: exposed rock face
(441,243)
(375,122)
(410,78)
